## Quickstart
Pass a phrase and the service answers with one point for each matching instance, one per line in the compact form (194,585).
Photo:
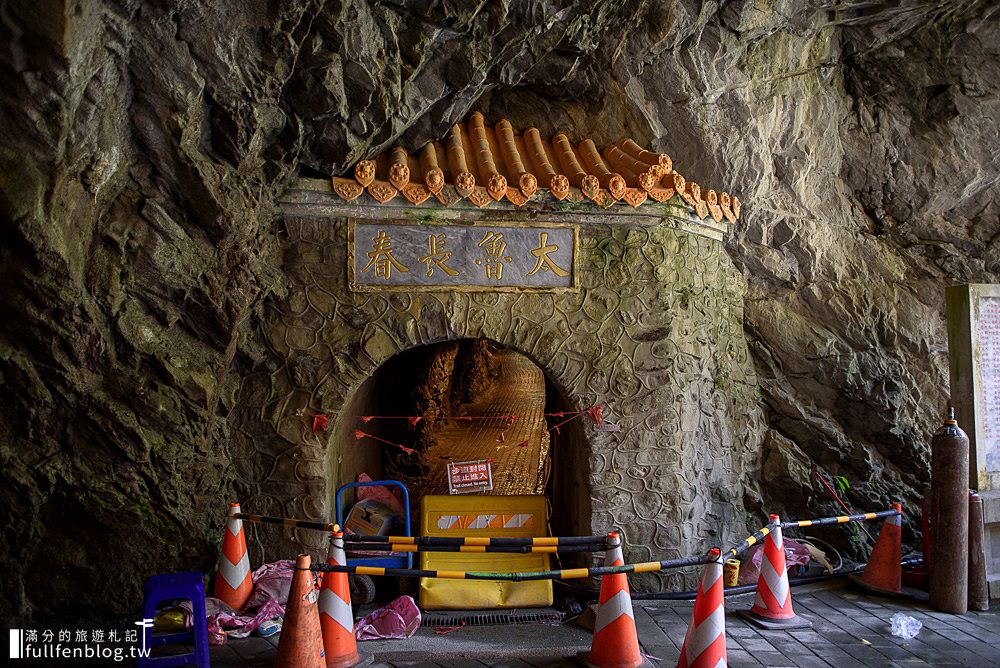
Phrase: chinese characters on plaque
(470,477)
(481,256)
(989,360)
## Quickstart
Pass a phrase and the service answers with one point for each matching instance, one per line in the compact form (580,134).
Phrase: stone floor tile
(739,657)
(754,645)
(225,657)
(773,659)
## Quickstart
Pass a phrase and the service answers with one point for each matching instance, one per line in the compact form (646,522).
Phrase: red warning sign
(470,477)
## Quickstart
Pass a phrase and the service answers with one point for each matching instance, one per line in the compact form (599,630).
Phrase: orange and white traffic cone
(615,643)
(772,609)
(705,641)
(335,614)
(233,583)
(884,574)
(301,641)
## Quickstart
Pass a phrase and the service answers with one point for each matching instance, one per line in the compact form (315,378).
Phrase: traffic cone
(301,641)
(884,574)
(335,615)
(233,583)
(615,643)
(772,609)
(705,641)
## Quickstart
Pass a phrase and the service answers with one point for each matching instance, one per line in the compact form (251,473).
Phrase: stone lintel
(315,198)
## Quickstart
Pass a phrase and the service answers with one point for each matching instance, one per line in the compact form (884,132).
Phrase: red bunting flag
(319,422)
(597,414)
(414,420)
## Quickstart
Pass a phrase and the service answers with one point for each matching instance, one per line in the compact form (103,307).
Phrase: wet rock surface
(144,147)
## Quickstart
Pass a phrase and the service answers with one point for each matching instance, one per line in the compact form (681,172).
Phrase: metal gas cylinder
(949,575)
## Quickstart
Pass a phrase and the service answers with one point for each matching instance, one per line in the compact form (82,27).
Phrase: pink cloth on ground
(399,619)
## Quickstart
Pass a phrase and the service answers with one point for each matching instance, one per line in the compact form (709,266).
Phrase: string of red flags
(358,434)
(414,419)
(321,422)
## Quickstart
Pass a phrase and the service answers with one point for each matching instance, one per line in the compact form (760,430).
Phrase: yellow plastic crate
(494,516)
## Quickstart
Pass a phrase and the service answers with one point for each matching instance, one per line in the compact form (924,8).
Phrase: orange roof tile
(485,164)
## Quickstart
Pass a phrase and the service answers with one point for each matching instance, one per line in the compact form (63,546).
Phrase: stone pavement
(850,629)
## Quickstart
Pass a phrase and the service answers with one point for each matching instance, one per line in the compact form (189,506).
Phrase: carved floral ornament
(484,164)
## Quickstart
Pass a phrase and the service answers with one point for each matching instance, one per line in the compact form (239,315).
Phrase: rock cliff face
(144,146)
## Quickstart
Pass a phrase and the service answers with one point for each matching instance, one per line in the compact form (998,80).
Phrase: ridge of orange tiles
(485,163)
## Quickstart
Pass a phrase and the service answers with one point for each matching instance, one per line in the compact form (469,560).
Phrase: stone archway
(656,326)
(532,454)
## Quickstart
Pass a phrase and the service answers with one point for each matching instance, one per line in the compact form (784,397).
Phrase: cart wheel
(362,589)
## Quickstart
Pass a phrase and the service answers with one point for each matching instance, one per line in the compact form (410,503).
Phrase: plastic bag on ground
(796,554)
(271,583)
(399,619)
(904,626)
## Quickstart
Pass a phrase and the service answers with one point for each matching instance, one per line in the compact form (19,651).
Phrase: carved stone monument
(974,351)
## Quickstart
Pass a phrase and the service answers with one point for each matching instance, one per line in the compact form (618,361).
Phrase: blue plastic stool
(168,587)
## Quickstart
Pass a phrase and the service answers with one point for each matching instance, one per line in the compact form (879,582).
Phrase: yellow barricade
(494,516)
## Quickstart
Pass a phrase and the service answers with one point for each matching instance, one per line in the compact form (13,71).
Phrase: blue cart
(363,586)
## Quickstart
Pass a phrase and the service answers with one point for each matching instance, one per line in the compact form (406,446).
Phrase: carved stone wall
(656,326)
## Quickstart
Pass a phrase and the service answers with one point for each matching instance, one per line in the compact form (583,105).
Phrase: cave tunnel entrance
(537,451)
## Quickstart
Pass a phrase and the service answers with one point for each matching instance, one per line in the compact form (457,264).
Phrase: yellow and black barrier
(841,519)
(545,544)
(564,574)
(288,522)
(478,549)
(746,544)
(480,541)
(761,533)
